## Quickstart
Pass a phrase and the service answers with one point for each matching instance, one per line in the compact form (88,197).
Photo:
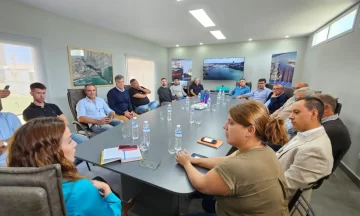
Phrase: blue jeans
(180,98)
(152,105)
(200,214)
(101,128)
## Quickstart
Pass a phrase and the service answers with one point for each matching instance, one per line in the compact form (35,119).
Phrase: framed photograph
(89,66)
(181,69)
(283,68)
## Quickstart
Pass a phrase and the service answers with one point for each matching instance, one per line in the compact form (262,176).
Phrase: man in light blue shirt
(95,112)
(260,94)
(9,123)
(241,89)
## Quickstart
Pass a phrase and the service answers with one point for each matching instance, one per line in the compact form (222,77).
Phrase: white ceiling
(168,22)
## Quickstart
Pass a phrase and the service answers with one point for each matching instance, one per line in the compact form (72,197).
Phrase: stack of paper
(114,154)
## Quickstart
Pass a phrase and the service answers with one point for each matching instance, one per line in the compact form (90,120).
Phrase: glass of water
(182,106)
(213,107)
(172,143)
(198,117)
(162,114)
(126,130)
(144,144)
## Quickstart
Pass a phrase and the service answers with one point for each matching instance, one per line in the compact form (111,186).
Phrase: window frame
(329,24)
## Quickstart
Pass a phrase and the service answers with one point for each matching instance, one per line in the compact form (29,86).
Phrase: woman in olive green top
(249,181)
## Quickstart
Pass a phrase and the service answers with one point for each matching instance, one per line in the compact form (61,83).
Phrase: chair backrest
(338,108)
(289,92)
(31,191)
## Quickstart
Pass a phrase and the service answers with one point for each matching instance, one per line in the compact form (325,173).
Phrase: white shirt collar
(122,90)
(309,132)
(330,118)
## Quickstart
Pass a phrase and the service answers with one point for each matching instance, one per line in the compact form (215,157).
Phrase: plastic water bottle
(169,112)
(146,132)
(187,103)
(223,98)
(208,104)
(135,128)
(218,98)
(192,115)
(199,97)
(178,136)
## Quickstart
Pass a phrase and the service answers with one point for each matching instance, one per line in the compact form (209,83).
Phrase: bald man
(285,111)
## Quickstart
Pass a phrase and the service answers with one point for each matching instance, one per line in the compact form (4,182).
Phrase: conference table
(157,191)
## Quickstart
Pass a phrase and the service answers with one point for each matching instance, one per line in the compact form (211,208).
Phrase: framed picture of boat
(181,69)
(90,66)
(283,68)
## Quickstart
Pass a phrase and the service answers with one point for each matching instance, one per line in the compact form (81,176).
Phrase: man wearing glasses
(276,99)
(285,111)
(9,123)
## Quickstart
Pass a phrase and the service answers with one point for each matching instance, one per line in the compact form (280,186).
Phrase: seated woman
(45,141)
(249,181)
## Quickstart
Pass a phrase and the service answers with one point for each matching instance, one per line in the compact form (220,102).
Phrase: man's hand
(103,121)
(128,115)
(173,101)
(273,96)
(239,97)
(4,93)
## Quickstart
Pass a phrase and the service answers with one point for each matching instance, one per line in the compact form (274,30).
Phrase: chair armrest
(85,129)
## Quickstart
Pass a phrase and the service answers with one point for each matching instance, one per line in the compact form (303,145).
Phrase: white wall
(58,32)
(257,57)
(334,68)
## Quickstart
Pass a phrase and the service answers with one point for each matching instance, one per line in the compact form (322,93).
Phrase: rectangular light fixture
(202,17)
(218,35)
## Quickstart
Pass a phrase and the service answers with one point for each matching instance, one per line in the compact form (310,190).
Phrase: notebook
(114,154)
(216,145)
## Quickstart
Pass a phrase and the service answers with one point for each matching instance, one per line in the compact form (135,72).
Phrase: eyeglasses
(149,164)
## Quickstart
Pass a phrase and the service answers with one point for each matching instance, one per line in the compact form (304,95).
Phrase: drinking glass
(172,143)
(214,107)
(148,163)
(162,114)
(198,117)
(178,145)
(126,130)
(182,106)
(144,145)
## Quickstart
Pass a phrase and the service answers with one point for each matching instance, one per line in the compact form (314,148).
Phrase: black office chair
(338,107)
(299,206)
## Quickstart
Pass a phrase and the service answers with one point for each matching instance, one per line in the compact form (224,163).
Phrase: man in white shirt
(308,156)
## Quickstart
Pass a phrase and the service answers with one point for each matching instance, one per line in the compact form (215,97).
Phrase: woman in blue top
(45,141)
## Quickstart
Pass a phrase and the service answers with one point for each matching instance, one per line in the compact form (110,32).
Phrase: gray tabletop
(169,176)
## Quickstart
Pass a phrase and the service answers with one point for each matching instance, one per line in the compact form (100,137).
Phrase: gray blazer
(307,160)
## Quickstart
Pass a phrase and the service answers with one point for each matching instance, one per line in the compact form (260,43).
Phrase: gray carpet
(338,196)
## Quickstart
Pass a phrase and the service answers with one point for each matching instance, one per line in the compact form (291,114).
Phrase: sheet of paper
(134,154)
(113,153)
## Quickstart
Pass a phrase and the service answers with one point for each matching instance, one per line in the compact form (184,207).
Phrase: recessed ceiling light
(218,35)
(177,45)
(201,43)
(202,17)
(287,36)
(250,39)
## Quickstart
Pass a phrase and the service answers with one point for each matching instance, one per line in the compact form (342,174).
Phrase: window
(144,72)
(20,65)
(336,28)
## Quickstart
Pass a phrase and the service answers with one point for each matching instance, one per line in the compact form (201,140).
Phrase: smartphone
(109,116)
(7,87)
(128,147)
(208,140)
(194,155)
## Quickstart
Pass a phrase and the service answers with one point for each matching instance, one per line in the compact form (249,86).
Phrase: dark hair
(243,79)
(132,80)
(262,80)
(118,77)
(256,114)
(312,103)
(327,99)
(37,85)
(89,84)
(176,79)
(163,78)
(37,144)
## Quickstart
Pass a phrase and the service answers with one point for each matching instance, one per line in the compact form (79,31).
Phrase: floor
(338,196)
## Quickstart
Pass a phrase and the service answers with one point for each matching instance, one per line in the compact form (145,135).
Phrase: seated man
(138,97)
(164,93)
(177,90)
(241,89)
(196,87)
(95,112)
(9,123)
(119,100)
(276,99)
(39,108)
(308,156)
(335,129)
(284,111)
(260,94)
